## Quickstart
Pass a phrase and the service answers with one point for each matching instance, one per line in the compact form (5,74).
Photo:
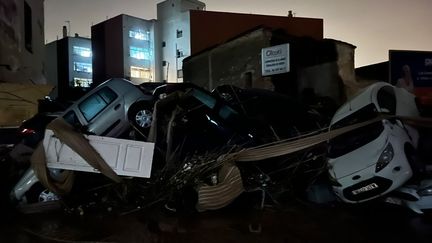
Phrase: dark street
(295,222)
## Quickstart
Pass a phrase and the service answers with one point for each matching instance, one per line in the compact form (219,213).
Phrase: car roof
(366,94)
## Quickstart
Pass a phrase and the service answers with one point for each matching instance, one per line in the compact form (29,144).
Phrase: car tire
(38,193)
(38,200)
(140,115)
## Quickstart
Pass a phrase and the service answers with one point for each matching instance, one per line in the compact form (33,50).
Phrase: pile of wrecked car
(185,147)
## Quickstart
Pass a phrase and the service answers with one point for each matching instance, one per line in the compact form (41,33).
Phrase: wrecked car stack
(216,145)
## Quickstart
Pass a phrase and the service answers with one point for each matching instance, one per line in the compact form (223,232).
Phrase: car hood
(359,159)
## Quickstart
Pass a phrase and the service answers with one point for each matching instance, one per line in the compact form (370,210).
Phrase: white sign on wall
(275,59)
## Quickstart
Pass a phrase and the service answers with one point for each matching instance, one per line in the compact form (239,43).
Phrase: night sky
(374,26)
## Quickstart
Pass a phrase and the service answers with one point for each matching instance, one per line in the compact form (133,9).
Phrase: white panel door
(126,157)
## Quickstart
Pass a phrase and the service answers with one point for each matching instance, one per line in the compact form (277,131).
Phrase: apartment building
(69,67)
(124,46)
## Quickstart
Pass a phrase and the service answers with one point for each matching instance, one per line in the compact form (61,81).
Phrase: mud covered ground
(297,223)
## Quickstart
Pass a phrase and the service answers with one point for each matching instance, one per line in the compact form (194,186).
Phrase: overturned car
(373,160)
(190,127)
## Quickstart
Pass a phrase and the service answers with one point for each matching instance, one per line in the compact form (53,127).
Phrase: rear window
(357,138)
(97,102)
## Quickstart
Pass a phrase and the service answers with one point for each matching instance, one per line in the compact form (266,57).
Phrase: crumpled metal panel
(222,194)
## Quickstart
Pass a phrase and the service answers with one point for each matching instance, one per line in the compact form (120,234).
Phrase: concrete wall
(205,29)
(174,30)
(212,28)
(52,67)
(319,69)
(114,48)
(22,68)
(22,41)
(108,53)
(237,62)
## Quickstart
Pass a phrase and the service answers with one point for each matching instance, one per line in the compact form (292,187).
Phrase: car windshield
(355,139)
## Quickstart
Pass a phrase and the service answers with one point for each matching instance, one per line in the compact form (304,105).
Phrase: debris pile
(209,148)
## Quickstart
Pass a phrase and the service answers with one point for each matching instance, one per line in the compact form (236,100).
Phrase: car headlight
(385,158)
(425,192)
(333,181)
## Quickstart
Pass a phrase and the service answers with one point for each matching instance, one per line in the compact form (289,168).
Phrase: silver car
(110,108)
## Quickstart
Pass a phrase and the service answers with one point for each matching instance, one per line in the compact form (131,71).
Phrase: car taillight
(26,131)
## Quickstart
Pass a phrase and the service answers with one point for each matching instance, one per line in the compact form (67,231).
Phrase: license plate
(365,188)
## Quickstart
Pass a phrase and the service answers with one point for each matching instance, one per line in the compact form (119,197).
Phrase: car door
(103,112)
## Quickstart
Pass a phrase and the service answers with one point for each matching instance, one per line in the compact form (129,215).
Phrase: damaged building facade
(317,67)
(185,29)
(22,73)
(22,44)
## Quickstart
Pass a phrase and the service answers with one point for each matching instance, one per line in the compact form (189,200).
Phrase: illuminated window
(179,53)
(139,35)
(180,73)
(139,72)
(139,53)
(82,82)
(83,67)
(82,51)
(179,33)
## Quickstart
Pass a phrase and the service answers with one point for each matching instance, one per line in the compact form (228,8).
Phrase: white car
(417,197)
(371,161)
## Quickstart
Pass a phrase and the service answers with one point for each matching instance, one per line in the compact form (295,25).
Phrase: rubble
(209,149)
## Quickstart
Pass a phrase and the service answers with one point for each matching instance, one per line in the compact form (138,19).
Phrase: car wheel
(38,200)
(141,116)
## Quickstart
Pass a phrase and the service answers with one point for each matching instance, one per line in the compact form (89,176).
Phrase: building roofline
(340,42)
(69,37)
(121,15)
(276,16)
(260,28)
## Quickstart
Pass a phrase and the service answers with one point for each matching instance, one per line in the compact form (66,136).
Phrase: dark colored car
(32,130)
(270,115)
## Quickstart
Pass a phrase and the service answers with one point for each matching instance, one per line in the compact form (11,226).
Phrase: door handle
(117,107)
